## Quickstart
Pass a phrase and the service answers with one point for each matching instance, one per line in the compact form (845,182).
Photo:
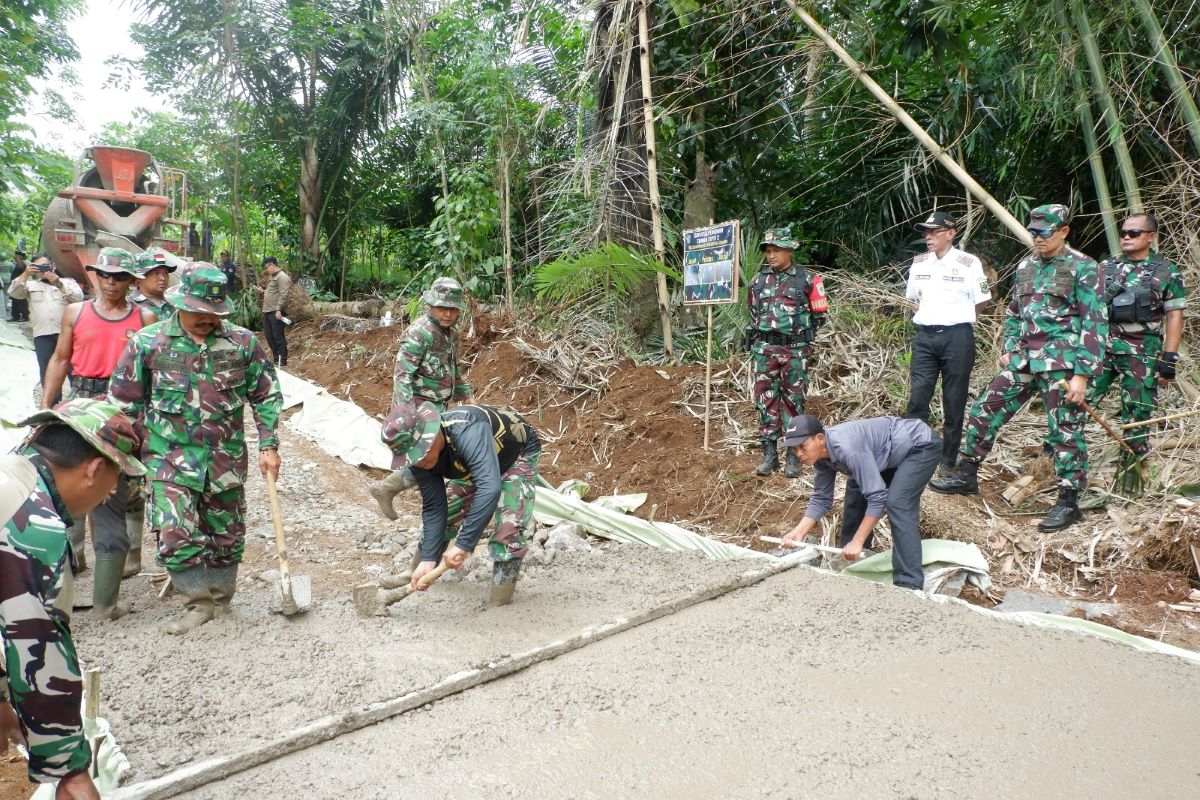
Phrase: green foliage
(609,268)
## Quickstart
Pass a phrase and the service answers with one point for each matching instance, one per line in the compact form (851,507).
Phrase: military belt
(92,385)
(783,339)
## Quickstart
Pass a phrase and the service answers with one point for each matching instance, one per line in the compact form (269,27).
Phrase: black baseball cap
(937,221)
(800,428)
(270,260)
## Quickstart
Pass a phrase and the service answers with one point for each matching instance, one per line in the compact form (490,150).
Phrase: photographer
(48,295)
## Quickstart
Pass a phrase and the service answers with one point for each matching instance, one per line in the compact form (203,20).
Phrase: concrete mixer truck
(118,197)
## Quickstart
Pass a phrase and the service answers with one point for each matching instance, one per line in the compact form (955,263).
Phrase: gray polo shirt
(862,449)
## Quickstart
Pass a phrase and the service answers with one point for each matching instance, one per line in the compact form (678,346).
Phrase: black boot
(770,459)
(1065,512)
(963,479)
(791,468)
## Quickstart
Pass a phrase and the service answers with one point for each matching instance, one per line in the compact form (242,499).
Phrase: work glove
(1165,365)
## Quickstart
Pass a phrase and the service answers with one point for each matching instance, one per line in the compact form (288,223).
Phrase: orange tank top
(96,342)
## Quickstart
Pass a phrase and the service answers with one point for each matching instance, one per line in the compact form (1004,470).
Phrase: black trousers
(43,348)
(906,484)
(20,309)
(276,337)
(947,351)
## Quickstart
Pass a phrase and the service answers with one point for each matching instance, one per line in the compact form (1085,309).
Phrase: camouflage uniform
(43,679)
(782,328)
(190,398)
(427,366)
(1056,328)
(1136,337)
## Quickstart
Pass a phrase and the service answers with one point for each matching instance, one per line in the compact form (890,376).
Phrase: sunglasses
(1133,233)
(1042,234)
(120,277)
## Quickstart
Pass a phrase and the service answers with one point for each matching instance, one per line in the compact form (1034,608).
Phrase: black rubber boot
(791,467)
(770,459)
(504,582)
(1065,512)
(963,479)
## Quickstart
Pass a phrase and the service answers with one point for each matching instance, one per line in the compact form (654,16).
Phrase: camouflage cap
(780,237)
(201,289)
(102,424)
(1049,216)
(409,431)
(152,260)
(114,259)
(445,293)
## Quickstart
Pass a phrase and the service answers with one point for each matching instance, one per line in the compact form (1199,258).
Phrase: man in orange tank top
(94,332)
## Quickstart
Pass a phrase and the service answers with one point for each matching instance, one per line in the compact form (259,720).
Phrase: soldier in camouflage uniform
(787,305)
(470,463)
(1145,298)
(67,465)
(427,371)
(148,294)
(1055,331)
(188,380)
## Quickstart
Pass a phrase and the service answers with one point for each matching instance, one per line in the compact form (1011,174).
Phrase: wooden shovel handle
(285,573)
(396,595)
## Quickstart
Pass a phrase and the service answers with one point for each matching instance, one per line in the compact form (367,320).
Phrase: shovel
(295,594)
(370,600)
(820,548)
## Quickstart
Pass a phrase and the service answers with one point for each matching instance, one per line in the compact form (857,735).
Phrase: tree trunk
(699,201)
(310,200)
(664,309)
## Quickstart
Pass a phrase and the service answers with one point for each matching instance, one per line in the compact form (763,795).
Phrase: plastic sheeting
(338,427)
(941,561)
(19,367)
(108,766)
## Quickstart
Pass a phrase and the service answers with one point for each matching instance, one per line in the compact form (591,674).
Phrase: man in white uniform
(949,287)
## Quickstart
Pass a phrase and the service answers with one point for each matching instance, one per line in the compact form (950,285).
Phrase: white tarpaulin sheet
(19,367)
(338,427)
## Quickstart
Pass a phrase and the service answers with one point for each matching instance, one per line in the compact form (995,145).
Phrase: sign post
(710,277)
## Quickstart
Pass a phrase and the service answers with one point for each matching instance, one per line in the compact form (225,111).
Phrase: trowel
(293,595)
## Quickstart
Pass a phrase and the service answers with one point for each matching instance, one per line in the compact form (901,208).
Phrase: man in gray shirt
(888,461)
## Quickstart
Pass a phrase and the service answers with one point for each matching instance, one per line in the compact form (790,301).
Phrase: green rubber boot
(107,587)
(222,583)
(135,521)
(504,582)
(386,489)
(192,584)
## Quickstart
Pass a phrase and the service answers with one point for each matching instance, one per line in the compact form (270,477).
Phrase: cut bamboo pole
(1165,58)
(664,308)
(1178,415)
(939,153)
(708,378)
(1116,137)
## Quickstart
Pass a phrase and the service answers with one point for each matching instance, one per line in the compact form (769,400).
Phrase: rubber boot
(504,582)
(1065,512)
(770,459)
(791,468)
(107,587)
(963,479)
(383,491)
(192,584)
(222,583)
(77,536)
(134,522)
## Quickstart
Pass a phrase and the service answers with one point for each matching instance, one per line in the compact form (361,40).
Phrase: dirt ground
(754,684)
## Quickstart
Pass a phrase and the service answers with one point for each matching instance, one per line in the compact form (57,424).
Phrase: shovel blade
(297,601)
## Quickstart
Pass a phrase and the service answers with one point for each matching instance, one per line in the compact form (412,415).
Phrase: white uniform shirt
(946,289)
(46,300)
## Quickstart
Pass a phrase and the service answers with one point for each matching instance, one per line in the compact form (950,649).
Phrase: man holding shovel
(470,464)
(188,381)
(888,461)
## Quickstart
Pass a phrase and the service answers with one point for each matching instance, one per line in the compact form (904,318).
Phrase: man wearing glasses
(1055,330)
(949,287)
(1145,297)
(94,333)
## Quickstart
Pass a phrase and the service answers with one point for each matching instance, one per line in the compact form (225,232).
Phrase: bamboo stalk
(1156,420)
(664,310)
(939,153)
(1116,137)
(1165,58)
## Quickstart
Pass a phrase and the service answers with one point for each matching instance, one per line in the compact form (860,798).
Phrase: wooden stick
(708,379)
(664,309)
(91,694)
(1178,415)
(821,548)
(1108,428)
